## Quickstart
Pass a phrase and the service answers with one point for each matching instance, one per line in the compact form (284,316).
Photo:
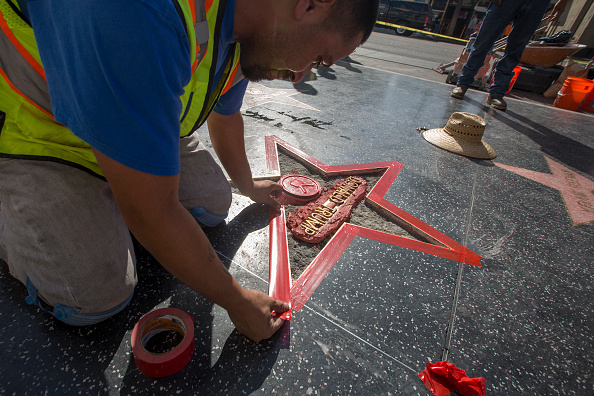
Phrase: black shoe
(459,92)
(496,102)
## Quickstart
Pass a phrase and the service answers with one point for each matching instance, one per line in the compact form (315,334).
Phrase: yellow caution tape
(421,31)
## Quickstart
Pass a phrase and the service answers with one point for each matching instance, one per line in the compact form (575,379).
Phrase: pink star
(576,190)
(298,293)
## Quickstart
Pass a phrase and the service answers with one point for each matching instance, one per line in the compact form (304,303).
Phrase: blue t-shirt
(116,71)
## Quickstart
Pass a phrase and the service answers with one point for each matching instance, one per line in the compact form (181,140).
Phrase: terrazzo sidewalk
(523,320)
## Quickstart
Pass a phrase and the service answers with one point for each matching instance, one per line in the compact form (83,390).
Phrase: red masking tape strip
(163,364)
(315,273)
(279,268)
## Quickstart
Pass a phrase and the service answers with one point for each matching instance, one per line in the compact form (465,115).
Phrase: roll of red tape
(153,323)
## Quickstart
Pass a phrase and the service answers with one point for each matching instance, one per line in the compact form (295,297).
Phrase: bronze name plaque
(318,219)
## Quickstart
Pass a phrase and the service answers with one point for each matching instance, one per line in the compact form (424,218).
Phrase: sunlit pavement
(523,320)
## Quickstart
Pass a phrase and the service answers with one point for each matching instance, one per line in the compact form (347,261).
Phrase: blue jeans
(71,315)
(525,16)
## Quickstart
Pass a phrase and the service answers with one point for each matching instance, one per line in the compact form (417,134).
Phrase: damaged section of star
(317,220)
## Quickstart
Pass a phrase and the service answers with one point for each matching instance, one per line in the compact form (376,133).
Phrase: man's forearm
(151,209)
(196,264)
(226,135)
(227,138)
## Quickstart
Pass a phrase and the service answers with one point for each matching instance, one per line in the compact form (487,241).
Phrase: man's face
(290,54)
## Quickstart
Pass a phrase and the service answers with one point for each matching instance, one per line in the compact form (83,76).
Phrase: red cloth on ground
(442,378)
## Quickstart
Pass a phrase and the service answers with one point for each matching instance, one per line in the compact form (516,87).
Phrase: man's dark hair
(351,17)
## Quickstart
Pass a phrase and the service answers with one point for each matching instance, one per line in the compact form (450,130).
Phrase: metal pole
(443,15)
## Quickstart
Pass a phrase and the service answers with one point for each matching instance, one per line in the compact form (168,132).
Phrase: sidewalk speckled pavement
(523,320)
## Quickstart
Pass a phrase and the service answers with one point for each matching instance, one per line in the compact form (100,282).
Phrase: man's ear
(308,9)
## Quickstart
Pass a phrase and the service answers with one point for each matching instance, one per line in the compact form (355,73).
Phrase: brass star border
(280,286)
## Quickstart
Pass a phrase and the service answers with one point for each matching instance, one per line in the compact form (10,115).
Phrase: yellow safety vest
(30,130)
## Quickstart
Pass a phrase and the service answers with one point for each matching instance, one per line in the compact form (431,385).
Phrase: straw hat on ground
(462,135)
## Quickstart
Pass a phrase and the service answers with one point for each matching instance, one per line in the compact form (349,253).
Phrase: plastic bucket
(588,103)
(573,92)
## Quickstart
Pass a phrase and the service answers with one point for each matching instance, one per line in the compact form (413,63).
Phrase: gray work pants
(61,230)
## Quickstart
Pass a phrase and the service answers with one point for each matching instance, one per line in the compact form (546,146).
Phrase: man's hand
(253,317)
(263,191)
(150,207)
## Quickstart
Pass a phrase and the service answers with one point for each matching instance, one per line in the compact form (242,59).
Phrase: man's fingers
(275,198)
(275,190)
(257,318)
(267,192)
(276,324)
(273,203)
(279,306)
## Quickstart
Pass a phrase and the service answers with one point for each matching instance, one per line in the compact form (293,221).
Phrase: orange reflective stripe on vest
(31,132)
(19,68)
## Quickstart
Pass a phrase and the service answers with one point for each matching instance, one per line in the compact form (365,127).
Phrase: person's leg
(525,24)
(62,235)
(203,187)
(495,22)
